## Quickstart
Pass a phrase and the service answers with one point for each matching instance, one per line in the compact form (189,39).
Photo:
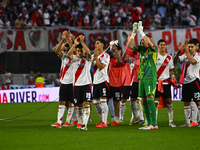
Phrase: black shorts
(134,90)
(126,92)
(191,91)
(101,90)
(166,89)
(115,93)
(66,93)
(82,94)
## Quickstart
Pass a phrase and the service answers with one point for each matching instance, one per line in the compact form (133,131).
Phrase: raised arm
(146,39)
(180,48)
(69,38)
(131,43)
(57,48)
(189,56)
(87,50)
(95,58)
(117,55)
(70,53)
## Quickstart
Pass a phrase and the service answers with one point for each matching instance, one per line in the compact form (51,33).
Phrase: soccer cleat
(193,124)
(155,127)
(83,128)
(79,125)
(74,123)
(101,122)
(115,123)
(171,124)
(148,127)
(132,121)
(186,125)
(66,124)
(89,119)
(139,122)
(120,121)
(141,128)
(102,125)
(56,125)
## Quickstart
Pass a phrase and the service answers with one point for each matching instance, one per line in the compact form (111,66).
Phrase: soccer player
(134,87)
(191,83)
(101,88)
(115,74)
(147,73)
(66,92)
(81,79)
(126,86)
(165,68)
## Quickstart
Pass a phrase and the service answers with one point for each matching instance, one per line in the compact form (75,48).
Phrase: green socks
(152,110)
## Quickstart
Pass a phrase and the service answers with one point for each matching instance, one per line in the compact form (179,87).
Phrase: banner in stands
(171,36)
(29,40)
(3,40)
(54,35)
(29,95)
(38,39)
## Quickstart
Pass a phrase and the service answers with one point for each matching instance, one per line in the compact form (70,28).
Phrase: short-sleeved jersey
(115,72)
(100,76)
(81,71)
(148,58)
(164,64)
(136,56)
(66,70)
(190,71)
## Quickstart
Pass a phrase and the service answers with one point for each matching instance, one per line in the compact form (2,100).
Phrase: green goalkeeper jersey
(148,58)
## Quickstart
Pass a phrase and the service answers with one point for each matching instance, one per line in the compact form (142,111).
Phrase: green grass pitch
(34,131)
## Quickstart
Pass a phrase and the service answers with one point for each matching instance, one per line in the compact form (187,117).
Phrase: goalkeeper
(147,73)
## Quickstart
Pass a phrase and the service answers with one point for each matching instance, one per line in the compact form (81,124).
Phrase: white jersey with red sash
(190,71)
(164,64)
(100,76)
(66,70)
(81,71)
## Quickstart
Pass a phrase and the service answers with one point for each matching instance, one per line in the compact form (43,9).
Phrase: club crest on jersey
(34,37)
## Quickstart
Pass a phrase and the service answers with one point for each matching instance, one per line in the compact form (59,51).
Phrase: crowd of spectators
(99,14)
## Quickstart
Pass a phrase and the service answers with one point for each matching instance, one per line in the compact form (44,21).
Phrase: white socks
(122,110)
(194,111)
(98,107)
(86,114)
(187,111)
(134,109)
(70,112)
(61,111)
(80,114)
(104,107)
(170,112)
